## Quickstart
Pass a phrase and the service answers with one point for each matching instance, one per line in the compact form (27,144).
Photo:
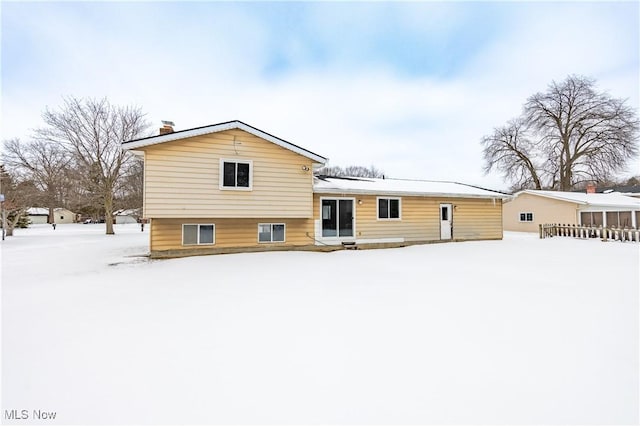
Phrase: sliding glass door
(337,217)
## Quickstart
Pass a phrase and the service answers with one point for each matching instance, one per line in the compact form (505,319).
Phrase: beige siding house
(530,208)
(40,215)
(231,187)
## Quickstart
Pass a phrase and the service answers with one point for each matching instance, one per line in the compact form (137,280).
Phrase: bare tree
(18,197)
(567,135)
(352,171)
(91,131)
(130,192)
(45,164)
(510,151)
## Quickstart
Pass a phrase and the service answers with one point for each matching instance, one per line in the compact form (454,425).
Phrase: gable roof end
(221,127)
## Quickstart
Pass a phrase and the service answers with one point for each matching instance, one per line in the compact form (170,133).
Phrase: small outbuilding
(62,215)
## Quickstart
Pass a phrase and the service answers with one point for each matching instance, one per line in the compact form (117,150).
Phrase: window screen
(198,234)
(189,234)
(264,232)
(271,232)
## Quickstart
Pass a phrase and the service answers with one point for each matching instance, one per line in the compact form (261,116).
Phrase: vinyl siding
(545,210)
(477,219)
(166,234)
(182,179)
(473,219)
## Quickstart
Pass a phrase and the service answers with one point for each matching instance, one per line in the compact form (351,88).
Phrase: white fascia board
(279,142)
(168,137)
(609,207)
(554,197)
(405,193)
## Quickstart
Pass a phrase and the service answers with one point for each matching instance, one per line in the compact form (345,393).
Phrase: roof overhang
(406,193)
(594,205)
(553,197)
(140,144)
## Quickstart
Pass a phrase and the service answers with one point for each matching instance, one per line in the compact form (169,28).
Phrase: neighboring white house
(127,216)
(530,208)
(40,215)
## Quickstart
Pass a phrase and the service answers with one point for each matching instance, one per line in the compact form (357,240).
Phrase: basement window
(236,174)
(271,232)
(526,217)
(197,234)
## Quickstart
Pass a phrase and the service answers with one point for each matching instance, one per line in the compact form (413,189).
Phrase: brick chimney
(591,188)
(167,127)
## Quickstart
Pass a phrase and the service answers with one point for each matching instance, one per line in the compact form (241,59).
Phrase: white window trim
(198,234)
(525,217)
(386,219)
(235,188)
(284,225)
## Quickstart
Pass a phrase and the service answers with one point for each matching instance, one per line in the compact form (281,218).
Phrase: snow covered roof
(127,212)
(34,211)
(221,127)
(613,199)
(350,185)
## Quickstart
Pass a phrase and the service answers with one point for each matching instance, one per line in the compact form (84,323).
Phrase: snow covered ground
(501,332)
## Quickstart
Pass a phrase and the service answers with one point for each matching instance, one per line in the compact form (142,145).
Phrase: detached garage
(530,208)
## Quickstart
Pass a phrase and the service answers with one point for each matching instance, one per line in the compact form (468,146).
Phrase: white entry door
(446,221)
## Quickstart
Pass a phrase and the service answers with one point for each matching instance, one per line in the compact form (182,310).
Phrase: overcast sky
(408,87)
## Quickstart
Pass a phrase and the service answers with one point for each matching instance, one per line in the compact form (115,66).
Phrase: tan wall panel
(182,179)
(477,219)
(545,210)
(166,234)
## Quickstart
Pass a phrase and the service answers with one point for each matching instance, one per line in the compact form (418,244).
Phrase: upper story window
(388,208)
(236,174)
(526,217)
